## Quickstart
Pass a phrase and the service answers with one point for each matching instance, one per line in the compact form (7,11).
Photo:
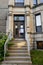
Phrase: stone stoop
(18,54)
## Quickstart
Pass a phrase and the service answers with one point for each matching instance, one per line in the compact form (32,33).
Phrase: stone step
(18,45)
(21,48)
(18,51)
(19,54)
(16,39)
(19,42)
(17,62)
(18,58)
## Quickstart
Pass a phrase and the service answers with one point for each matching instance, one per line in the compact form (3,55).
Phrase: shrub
(3,38)
(1,35)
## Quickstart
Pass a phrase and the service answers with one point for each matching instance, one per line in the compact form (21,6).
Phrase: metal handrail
(6,44)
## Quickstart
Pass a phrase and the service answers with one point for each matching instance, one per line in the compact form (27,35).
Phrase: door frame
(19,21)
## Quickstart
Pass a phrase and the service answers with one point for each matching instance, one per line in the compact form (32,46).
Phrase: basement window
(40,45)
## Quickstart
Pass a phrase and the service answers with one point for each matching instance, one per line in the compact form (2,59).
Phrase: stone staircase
(18,54)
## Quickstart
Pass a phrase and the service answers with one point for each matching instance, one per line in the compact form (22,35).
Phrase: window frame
(19,4)
(39,25)
(19,16)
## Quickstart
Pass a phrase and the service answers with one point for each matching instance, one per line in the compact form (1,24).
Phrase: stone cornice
(20,6)
(35,6)
(27,13)
(10,13)
(28,6)
(10,6)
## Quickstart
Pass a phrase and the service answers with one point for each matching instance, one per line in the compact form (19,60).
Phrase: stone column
(38,1)
(11,3)
(27,21)
(9,22)
(28,30)
(31,3)
(27,24)
(27,9)
(26,2)
(42,19)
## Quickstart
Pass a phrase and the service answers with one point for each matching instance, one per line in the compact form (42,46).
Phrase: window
(34,2)
(40,44)
(38,23)
(19,2)
(41,1)
(19,18)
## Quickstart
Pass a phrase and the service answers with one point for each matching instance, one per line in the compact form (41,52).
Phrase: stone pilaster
(27,21)
(31,3)
(9,22)
(42,19)
(26,2)
(11,3)
(38,1)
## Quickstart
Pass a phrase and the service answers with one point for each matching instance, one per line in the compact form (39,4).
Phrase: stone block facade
(7,12)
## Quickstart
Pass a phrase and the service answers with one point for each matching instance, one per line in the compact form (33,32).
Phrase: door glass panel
(21,30)
(21,26)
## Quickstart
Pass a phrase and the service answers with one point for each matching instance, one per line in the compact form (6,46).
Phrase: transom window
(19,18)
(19,2)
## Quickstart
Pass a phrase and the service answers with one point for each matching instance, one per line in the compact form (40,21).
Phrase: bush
(3,38)
(1,35)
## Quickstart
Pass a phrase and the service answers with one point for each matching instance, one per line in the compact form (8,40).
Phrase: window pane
(38,29)
(34,2)
(19,4)
(38,23)
(21,18)
(19,0)
(41,1)
(21,26)
(38,20)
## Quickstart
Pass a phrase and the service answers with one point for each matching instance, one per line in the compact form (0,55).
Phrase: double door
(19,30)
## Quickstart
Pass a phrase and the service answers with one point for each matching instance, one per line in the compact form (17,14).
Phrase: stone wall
(3,14)
(37,36)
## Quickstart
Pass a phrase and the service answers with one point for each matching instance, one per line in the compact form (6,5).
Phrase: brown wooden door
(19,30)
